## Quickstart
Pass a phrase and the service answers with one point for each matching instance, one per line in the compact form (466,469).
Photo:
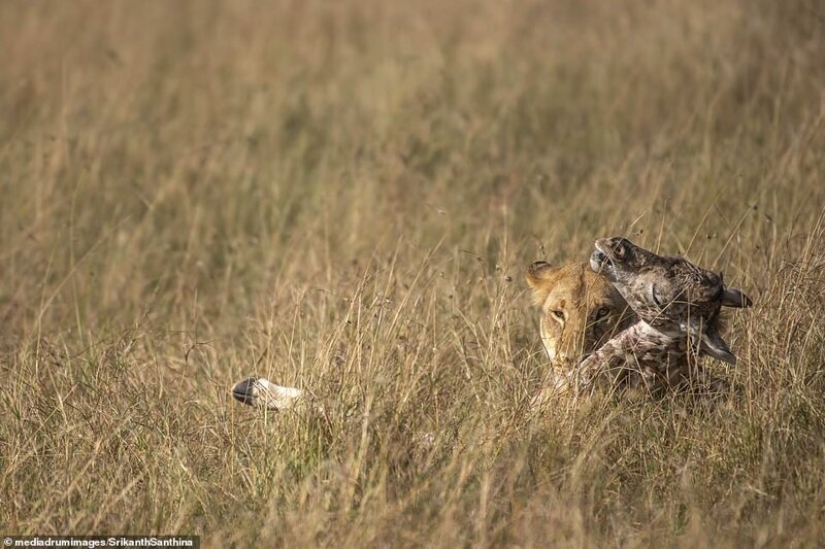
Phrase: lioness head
(580,310)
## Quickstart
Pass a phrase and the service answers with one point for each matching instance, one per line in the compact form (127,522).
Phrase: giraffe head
(669,293)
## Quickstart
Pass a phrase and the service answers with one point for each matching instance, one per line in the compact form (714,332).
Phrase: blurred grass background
(343,196)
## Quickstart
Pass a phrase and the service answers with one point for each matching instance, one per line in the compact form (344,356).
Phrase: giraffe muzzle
(599,260)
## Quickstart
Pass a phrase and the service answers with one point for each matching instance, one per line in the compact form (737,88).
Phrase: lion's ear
(539,274)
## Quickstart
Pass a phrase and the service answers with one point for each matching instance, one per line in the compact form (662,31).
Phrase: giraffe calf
(678,305)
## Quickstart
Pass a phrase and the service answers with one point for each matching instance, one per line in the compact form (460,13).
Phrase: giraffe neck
(640,355)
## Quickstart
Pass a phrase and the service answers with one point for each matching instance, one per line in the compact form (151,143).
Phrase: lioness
(580,311)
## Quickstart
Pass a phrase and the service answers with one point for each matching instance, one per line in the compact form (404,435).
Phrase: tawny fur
(580,311)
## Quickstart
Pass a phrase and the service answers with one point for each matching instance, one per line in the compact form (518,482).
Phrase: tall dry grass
(343,196)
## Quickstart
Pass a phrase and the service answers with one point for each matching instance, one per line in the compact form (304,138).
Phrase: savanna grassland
(344,196)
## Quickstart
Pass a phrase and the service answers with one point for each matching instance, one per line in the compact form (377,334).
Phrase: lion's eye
(558,314)
(603,312)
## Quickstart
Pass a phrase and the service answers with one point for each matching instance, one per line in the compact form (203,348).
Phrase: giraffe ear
(734,297)
(538,275)
(713,345)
